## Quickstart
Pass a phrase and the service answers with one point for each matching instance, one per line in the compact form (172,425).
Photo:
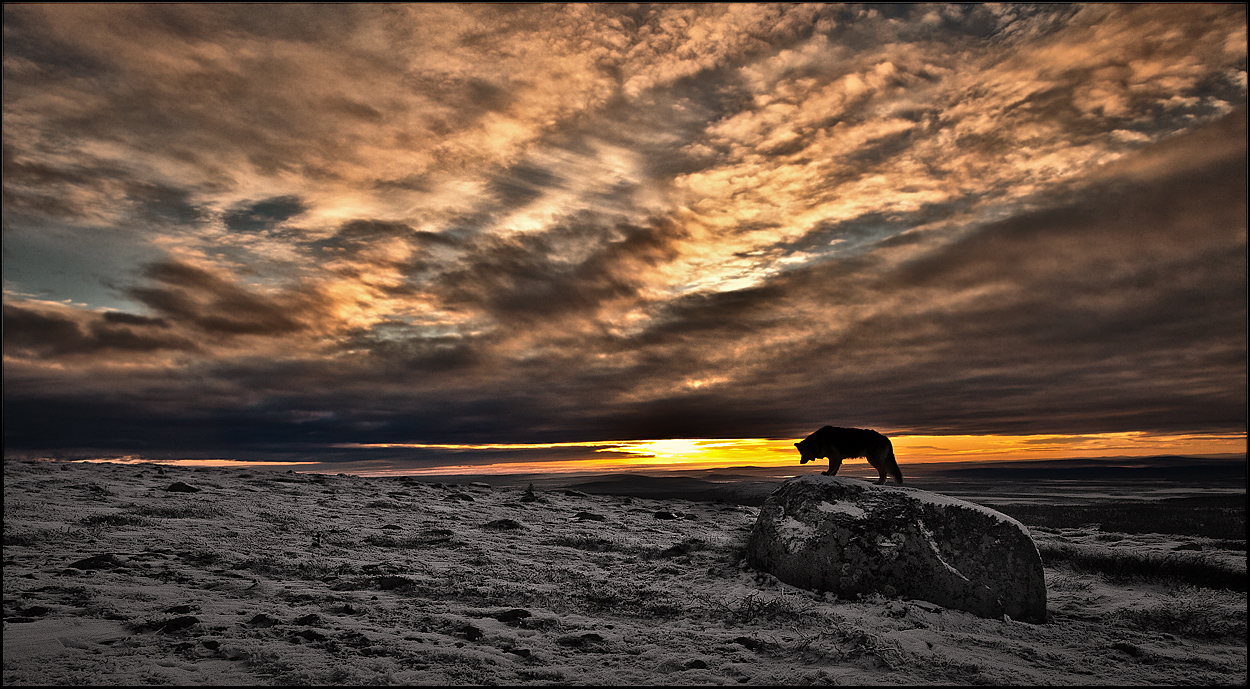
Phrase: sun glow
(709,453)
(703,453)
(678,454)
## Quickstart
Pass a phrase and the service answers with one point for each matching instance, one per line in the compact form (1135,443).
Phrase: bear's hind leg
(879,464)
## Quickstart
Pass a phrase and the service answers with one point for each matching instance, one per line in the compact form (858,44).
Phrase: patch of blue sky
(82,264)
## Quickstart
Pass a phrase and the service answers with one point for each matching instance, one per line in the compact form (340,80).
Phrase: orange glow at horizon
(957,448)
(704,453)
(683,454)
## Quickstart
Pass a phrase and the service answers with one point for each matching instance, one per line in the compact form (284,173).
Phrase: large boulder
(850,537)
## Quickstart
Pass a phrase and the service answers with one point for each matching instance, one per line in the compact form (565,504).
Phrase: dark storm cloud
(1122,310)
(359,234)
(473,223)
(570,269)
(217,305)
(263,214)
(71,191)
(32,186)
(155,80)
(43,333)
(351,253)
(862,232)
(166,204)
(41,193)
(1126,309)
(400,348)
(25,38)
(522,183)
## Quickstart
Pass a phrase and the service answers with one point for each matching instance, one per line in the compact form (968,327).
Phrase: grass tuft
(40,537)
(1186,567)
(100,520)
(427,539)
(1193,612)
(591,543)
(754,606)
(184,511)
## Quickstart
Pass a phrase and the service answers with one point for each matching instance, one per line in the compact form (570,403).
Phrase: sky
(539,232)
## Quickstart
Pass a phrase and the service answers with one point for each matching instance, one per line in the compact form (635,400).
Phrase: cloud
(52,330)
(366,223)
(264,214)
(215,305)
(578,270)
(1078,312)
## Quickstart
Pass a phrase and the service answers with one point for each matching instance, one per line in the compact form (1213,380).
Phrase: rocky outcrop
(850,537)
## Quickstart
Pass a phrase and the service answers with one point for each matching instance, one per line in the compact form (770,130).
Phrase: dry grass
(1122,565)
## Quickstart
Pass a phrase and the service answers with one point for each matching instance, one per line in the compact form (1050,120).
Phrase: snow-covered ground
(262,577)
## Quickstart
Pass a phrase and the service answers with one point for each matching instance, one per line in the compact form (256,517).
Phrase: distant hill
(750,485)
